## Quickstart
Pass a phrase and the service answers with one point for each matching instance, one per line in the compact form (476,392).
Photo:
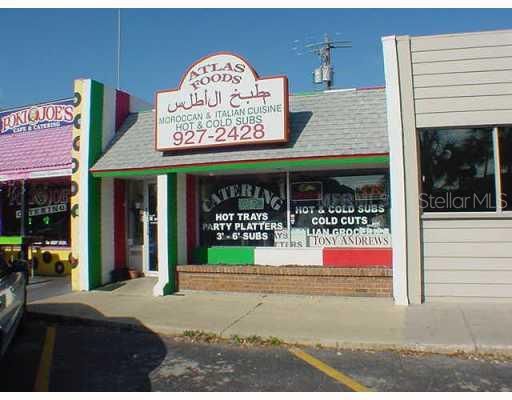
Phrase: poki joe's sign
(36,117)
(221,101)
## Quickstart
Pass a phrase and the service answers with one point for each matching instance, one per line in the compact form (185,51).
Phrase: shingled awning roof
(37,153)
(332,123)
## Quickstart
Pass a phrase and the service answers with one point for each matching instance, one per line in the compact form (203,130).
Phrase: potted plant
(133,273)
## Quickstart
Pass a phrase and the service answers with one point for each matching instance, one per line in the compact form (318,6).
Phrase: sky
(45,50)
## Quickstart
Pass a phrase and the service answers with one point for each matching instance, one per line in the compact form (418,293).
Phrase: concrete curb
(452,349)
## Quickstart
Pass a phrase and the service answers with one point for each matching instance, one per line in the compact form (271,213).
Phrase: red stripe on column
(119,224)
(357,257)
(122,107)
(191,216)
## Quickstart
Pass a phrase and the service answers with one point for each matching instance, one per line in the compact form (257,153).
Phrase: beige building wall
(467,258)
(462,79)
(455,80)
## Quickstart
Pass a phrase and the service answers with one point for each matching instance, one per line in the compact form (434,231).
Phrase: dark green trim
(326,162)
(94,222)
(200,255)
(172,233)
(10,240)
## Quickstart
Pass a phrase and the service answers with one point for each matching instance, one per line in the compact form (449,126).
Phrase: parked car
(13,299)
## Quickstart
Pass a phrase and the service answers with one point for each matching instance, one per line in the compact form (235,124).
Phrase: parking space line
(42,382)
(326,369)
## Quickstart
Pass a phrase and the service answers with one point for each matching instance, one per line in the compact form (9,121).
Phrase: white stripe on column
(396,171)
(83,188)
(162,235)
(287,256)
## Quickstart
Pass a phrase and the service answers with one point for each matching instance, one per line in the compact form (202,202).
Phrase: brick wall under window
(350,281)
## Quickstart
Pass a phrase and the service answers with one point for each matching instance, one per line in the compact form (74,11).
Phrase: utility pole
(324,74)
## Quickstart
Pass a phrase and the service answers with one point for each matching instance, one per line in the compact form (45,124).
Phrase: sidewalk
(366,323)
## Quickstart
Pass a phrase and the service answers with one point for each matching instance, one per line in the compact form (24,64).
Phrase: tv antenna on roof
(118,55)
(324,74)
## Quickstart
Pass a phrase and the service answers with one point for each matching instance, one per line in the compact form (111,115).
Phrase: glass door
(150,229)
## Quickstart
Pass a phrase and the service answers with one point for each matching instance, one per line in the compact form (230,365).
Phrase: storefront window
(48,212)
(505,143)
(247,210)
(457,170)
(339,210)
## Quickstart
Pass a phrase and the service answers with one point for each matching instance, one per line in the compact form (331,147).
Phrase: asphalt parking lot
(42,287)
(74,357)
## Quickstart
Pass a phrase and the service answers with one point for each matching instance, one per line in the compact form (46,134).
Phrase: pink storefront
(35,163)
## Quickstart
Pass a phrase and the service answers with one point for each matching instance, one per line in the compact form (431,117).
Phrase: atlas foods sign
(37,117)
(221,101)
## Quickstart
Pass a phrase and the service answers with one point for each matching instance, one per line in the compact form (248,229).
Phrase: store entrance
(142,249)
(150,229)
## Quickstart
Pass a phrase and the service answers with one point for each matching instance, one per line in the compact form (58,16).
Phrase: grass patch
(255,340)
(252,340)
(274,341)
(200,336)
(236,339)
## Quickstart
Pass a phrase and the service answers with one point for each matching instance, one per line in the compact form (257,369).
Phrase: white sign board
(221,101)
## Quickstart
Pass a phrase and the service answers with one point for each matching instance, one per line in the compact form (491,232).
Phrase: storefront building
(449,111)
(232,184)
(35,169)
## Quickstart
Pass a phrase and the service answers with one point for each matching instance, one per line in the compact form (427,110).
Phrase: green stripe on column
(95,146)
(172,233)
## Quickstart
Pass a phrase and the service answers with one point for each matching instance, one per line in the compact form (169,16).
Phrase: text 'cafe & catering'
(230,183)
